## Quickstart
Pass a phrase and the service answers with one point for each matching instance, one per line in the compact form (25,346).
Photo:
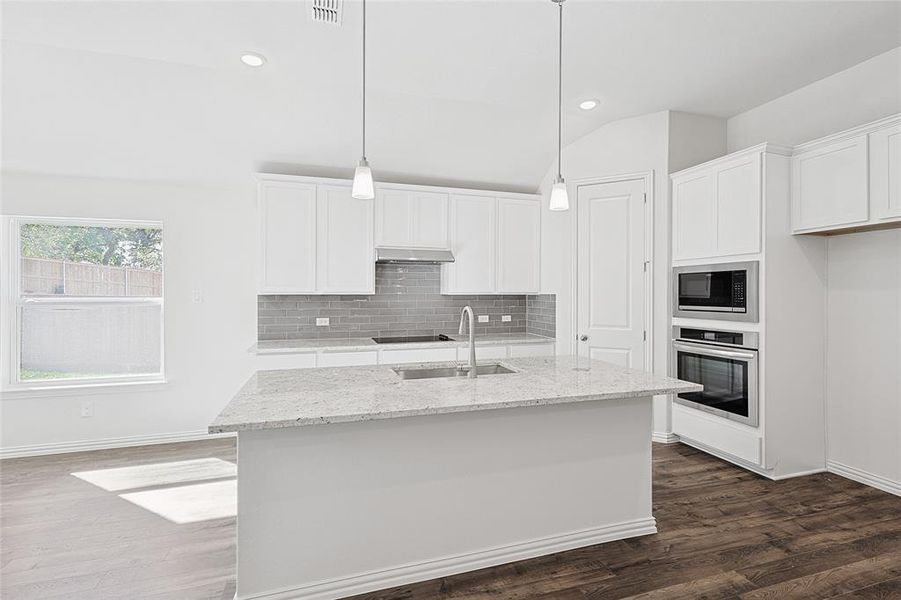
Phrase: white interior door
(611,272)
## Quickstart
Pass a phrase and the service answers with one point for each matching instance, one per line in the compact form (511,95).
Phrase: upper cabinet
(717,207)
(848,181)
(411,219)
(518,244)
(314,238)
(496,241)
(885,172)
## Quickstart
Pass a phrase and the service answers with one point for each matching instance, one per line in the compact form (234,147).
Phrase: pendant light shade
(363,188)
(559,197)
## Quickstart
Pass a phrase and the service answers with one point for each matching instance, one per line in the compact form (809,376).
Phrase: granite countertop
(302,397)
(352,344)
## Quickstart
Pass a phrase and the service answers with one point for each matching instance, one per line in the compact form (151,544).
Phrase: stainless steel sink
(436,372)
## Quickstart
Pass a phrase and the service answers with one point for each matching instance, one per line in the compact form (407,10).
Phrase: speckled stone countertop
(352,344)
(302,397)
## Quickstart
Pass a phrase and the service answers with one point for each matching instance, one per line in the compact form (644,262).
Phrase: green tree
(113,246)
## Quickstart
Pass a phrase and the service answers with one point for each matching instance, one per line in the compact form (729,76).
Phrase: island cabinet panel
(411,218)
(829,185)
(346,508)
(518,246)
(473,228)
(885,173)
(345,251)
(287,230)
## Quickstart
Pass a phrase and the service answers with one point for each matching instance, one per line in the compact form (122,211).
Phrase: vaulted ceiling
(459,91)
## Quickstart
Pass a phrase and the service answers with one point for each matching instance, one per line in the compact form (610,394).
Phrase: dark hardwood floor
(723,533)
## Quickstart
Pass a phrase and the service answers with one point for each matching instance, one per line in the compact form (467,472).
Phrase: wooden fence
(60,277)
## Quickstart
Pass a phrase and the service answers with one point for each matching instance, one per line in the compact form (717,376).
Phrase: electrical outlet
(483,318)
(506,318)
(197,296)
(87,408)
(321,321)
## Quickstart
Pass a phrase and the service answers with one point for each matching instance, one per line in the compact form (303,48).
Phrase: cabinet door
(738,202)
(345,250)
(430,220)
(829,185)
(394,217)
(518,246)
(694,217)
(473,241)
(287,214)
(885,173)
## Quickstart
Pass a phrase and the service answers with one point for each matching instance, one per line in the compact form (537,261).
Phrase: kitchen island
(354,479)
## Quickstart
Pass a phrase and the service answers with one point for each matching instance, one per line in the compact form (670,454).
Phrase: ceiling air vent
(326,11)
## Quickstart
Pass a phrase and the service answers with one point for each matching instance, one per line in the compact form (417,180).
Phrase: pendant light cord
(559,94)
(364,79)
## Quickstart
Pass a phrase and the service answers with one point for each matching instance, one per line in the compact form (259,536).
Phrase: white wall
(866,92)
(863,282)
(207,247)
(863,357)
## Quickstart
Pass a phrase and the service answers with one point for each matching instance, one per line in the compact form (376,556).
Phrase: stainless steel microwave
(726,291)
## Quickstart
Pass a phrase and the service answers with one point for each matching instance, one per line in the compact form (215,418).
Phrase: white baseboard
(876,481)
(406,574)
(122,442)
(664,437)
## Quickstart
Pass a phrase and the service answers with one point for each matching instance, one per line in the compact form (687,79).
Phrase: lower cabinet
(388,357)
(483,352)
(347,359)
(718,435)
(523,350)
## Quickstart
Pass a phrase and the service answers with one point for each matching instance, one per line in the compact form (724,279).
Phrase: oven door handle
(708,350)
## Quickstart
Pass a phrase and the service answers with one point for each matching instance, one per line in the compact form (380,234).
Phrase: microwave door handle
(702,349)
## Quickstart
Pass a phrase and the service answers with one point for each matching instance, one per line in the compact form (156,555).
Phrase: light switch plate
(483,318)
(321,321)
(506,318)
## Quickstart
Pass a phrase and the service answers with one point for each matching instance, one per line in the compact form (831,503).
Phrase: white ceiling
(459,91)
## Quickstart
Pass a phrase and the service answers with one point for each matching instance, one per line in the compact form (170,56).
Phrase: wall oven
(725,291)
(725,363)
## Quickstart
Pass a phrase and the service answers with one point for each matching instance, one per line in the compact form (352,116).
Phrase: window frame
(15,301)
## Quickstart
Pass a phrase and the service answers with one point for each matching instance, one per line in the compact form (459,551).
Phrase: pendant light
(363,188)
(559,197)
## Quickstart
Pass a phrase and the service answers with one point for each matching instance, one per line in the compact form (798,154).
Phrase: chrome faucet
(472,339)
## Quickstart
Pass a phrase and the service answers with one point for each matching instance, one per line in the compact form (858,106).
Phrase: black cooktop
(406,339)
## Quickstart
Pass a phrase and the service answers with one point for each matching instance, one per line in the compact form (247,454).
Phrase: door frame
(648,178)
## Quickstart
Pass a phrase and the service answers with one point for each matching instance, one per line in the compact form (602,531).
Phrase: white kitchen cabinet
(518,246)
(345,252)
(694,217)
(287,230)
(524,350)
(388,357)
(849,181)
(829,184)
(347,359)
(483,352)
(885,173)
(738,203)
(473,229)
(717,207)
(411,219)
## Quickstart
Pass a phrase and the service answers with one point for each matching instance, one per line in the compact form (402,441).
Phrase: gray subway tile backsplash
(407,301)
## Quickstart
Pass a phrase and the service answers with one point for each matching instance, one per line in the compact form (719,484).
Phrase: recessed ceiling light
(588,104)
(252,59)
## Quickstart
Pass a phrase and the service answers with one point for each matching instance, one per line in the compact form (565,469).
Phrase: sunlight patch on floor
(156,474)
(190,503)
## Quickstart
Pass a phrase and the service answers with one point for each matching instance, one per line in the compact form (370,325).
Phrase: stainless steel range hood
(413,255)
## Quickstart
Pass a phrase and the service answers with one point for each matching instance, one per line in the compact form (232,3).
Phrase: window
(88,302)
